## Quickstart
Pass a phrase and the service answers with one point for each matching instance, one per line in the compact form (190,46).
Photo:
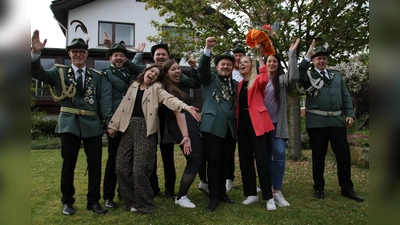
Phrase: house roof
(60,10)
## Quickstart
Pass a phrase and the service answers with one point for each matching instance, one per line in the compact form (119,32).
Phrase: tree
(344,24)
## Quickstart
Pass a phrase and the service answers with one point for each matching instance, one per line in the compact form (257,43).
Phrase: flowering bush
(358,140)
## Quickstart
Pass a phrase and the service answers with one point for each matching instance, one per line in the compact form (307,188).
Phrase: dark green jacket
(119,83)
(95,97)
(333,96)
(218,113)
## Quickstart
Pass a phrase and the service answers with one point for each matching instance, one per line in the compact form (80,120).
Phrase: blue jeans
(278,150)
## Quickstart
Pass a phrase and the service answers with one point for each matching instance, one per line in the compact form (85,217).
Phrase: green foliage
(40,126)
(45,204)
(344,24)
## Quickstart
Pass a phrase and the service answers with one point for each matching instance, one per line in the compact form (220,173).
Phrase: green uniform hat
(77,43)
(157,46)
(320,51)
(117,47)
(239,48)
(226,55)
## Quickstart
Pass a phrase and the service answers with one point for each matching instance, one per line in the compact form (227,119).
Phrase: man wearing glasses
(84,97)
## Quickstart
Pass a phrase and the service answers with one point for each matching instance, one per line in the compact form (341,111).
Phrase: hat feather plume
(83,28)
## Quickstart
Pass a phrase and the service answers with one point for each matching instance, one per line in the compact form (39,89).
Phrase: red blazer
(258,112)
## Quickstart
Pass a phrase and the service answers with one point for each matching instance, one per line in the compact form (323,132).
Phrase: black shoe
(68,209)
(170,195)
(109,203)
(212,205)
(225,198)
(352,195)
(97,208)
(319,194)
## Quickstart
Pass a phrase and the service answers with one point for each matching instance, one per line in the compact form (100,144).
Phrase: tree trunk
(294,122)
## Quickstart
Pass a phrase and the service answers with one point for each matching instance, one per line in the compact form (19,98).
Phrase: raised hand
(294,45)
(211,42)
(311,51)
(140,48)
(106,40)
(37,45)
(191,61)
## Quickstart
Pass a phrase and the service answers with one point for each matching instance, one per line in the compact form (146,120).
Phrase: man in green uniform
(119,77)
(329,111)
(84,98)
(218,126)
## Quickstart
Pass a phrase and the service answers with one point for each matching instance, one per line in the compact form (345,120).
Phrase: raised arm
(204,69)
(293,71)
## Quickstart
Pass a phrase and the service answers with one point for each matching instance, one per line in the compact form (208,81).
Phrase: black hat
(117,47)
(157,46)
(226,55)
(239,48)
(320,51)
(77,43)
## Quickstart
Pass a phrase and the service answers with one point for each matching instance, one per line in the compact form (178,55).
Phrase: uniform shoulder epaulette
(60,65)
(96,71)
(335,70)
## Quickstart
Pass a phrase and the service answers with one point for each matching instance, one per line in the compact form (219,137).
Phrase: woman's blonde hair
(253,71)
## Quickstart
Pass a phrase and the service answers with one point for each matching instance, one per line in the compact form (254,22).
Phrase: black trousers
(70,145)
(253,147)
(217,152)
(319,138)
(110,177)
(167,154)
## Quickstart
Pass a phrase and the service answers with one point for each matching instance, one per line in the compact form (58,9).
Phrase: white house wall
(121,11)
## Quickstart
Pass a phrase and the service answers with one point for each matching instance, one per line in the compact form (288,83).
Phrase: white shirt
(236,75)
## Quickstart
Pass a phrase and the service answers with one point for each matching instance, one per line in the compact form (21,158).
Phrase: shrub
(42,127)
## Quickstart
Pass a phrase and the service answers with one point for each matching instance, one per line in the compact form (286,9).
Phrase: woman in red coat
(253,124)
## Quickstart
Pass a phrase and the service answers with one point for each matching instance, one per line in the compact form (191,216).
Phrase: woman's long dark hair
(168,85)
(275,80)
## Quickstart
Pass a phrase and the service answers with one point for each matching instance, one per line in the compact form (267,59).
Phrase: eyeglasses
(75,52)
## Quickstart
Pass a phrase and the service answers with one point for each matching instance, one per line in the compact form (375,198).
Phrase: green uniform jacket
(218,113)
(333,96)
(96,97)
(136,67)
(119,84)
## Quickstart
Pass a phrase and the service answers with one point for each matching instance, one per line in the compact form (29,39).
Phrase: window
(117,32)
(100,64)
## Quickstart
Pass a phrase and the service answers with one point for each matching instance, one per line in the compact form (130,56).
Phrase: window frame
(113,34)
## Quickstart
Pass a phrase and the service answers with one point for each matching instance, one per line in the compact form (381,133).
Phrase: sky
(48,27)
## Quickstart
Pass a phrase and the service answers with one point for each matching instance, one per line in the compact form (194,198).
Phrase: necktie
(79,80)
(123,72)
(323,74)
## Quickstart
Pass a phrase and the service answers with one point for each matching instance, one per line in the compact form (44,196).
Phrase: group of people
(140,106)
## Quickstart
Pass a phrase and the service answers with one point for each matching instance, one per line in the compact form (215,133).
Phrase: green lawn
(305,209)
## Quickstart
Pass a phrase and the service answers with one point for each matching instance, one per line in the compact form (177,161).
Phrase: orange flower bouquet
(255,37)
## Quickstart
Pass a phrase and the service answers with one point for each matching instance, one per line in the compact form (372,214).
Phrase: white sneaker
(271,205)
(133,209)
(203,186)
(228,185)
(184,202)
(280,200)
(250,199)
(258,190)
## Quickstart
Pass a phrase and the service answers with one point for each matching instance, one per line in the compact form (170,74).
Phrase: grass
(297,189)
